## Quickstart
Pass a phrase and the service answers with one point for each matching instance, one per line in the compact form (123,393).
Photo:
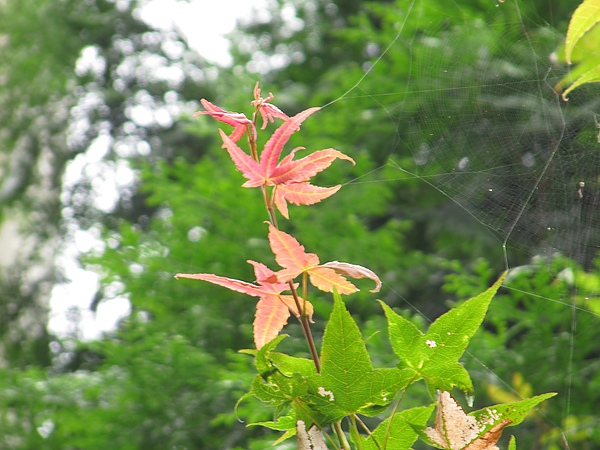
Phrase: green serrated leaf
(268,393)
(583,19)
(591,76)
(348,383)
(435,354)
(512,444)
(262,362)
(282,423)
(398,432)
(448,337)
(276,387)
(404,337)
(513,411)
(446,377)
(289,365)
(344,358)
(381,386)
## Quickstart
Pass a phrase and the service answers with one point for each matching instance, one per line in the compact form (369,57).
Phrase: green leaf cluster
(348,386)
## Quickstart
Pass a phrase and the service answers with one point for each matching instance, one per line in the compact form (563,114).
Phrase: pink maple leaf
(237,120)
(290,255)
(290,177)
(273,308)
(300,194)
(267,111)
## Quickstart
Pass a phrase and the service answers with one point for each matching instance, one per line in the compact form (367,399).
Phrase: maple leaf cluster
(273,308)
(283,180)
(288,178)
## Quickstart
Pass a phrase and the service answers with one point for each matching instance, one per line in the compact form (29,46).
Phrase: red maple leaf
(273,308)
(290,255)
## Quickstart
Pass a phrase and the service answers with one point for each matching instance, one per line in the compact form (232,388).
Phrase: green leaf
(282,423)
(398,433)
(448,338)
(512,444)
(348,383)
(581,46)
(452,374)
(274,386)
(405,338)
(344,357)
(289,365)
(513,411)
(591,76)
(262,360)
(583,19)
(285,423)
(435,354)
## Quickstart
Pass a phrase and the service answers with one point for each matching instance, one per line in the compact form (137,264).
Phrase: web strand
(519,185)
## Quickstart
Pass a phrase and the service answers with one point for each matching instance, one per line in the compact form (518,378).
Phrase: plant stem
(396,406)
(337,426)
(303,318)
(356,419)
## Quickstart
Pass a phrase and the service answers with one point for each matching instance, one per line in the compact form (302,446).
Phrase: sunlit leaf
(328,280)
(289,254)
(591,76)
(583,19)
(348,383)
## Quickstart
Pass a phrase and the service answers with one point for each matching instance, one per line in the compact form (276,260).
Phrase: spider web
(477,119)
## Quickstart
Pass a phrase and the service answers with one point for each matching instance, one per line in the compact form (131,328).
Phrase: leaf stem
(303,318)
(364,426)
(396,406)
(337,426)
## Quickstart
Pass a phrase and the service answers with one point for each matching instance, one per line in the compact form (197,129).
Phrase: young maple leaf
(237,120)
(290,255)
(290,177)
(455,430)
(267,111)
(273,308)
